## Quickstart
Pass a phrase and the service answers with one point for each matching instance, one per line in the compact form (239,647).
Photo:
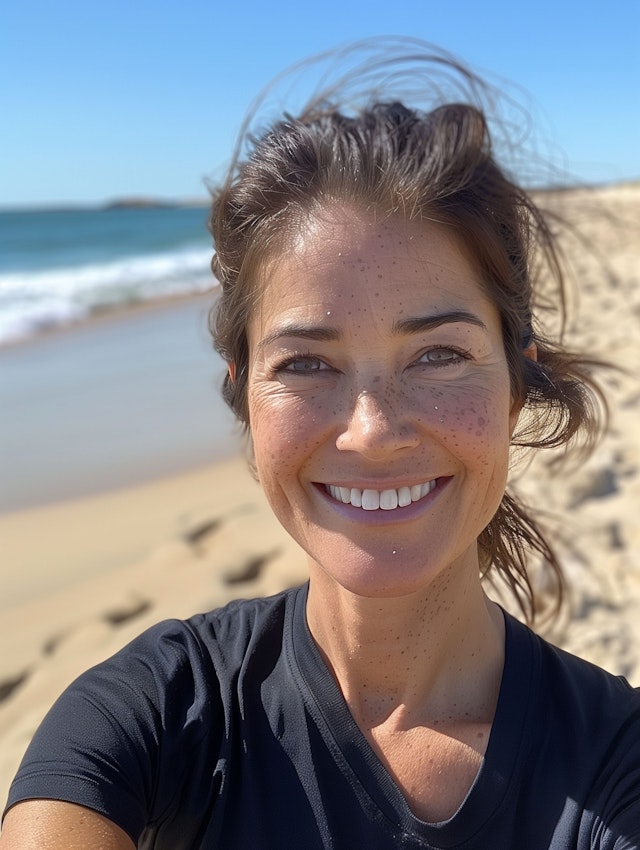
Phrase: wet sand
(113,401)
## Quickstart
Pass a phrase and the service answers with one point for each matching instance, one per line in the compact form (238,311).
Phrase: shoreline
(109,313)
(121,399)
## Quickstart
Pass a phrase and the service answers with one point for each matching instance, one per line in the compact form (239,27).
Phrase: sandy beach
(148,510)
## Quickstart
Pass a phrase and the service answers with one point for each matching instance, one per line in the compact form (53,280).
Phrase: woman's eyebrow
(322,333)
(319,333)
(426,323)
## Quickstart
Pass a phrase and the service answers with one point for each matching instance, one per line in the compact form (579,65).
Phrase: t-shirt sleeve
(119,738)
(616,798)
(622,829)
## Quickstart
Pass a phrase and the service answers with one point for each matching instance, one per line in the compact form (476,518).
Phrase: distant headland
(133,202)
(148,203)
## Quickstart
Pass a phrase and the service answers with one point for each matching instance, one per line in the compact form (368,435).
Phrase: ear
(232,372)
(531,353)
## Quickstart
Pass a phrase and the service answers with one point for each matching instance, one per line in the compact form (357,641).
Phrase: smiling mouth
(384,500)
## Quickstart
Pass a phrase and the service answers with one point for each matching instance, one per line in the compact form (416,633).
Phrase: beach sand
(81,577)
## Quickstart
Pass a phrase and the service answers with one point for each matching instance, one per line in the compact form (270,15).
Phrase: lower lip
(382,517)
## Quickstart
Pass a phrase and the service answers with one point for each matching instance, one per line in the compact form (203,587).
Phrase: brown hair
(436,163)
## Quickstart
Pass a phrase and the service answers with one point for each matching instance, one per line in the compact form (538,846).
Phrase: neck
(434,655)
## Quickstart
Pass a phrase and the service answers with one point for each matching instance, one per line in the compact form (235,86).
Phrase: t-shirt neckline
(505,752)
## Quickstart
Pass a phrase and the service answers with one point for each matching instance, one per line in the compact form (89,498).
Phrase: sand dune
(82,578)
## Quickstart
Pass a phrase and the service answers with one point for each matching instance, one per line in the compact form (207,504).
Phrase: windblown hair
(438,164)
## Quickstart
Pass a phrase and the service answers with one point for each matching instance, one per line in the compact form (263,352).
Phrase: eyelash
(298,357)
(461,354)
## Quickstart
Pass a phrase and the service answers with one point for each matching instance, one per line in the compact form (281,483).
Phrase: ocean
(130,396)
(58,266)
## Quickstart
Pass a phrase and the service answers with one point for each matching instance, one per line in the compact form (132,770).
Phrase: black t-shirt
(227,731)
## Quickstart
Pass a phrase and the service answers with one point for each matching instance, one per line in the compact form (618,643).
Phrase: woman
(376,318)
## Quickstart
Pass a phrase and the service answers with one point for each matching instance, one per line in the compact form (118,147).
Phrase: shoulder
(154,714)
(555,661)
(214,641)
(574,694)
(581,725)
(242,617)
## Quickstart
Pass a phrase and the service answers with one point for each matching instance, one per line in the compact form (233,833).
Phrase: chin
(372,580)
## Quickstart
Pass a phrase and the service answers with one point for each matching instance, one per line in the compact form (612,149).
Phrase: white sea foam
(34,300)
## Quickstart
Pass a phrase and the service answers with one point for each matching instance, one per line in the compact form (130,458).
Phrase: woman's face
(379,400)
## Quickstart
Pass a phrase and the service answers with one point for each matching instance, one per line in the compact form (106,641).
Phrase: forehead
(347,259)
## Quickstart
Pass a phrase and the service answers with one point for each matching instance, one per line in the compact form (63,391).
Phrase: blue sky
(124,97)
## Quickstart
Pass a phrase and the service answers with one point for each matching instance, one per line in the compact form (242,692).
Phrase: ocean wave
(34,301)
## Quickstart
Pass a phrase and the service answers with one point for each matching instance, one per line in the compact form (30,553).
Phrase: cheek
(285,429)
(471,421)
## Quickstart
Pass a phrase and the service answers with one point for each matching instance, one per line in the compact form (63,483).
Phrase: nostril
(376,427)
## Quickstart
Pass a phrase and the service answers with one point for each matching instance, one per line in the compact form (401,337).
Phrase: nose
(376,428)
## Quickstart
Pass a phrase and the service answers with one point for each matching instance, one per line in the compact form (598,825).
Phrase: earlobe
(232,372)
(531,352)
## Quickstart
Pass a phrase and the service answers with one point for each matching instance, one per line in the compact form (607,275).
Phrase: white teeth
(386,500)
(370,500)
(427,488)
(389,500)
(404,497)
